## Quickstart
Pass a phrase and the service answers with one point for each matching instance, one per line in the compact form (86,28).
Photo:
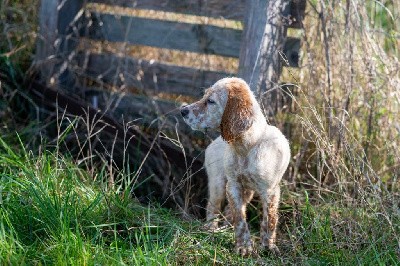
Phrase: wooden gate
(142,58)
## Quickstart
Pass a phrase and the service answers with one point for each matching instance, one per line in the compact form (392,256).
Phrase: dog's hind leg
(270,203)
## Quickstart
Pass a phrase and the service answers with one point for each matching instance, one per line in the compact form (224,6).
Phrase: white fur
(256,163)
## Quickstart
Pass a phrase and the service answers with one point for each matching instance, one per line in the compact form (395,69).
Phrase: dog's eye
(210,101)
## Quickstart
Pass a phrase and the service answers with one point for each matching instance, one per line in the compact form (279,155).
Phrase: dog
(249,157)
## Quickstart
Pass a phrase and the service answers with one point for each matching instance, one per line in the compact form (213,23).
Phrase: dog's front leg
(235,194)
(216,198)
(247,197)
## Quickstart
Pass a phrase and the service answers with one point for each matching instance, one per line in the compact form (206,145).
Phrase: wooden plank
(69,15)
(165,34)
(156,77)
(46,40)
(69,24)
(141,108)
(264,35)
(233,10)
(56,40)
(210,8)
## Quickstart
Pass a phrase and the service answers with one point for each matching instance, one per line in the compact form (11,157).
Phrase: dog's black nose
(184,111)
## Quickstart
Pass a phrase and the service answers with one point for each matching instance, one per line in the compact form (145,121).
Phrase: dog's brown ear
(238,112)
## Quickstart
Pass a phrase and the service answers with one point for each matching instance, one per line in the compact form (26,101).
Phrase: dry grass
(18,30)
(348,101)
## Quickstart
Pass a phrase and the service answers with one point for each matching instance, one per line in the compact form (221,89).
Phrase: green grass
(53,213)
(336,235)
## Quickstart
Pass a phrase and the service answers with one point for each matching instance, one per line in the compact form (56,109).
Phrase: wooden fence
(66,24)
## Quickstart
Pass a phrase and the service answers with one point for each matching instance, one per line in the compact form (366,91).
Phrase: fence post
(57,37)
(263,41)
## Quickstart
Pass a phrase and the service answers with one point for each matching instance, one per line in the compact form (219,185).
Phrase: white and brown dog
(250,156)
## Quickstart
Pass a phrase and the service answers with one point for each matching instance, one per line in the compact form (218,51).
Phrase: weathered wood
(46,40)
(165,34)
(211,8)
(141,74)
(225,9)
(57,23)
(140,108)
(260,60)
(70,12)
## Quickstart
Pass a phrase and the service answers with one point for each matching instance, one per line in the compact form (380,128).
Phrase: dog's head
(228,105)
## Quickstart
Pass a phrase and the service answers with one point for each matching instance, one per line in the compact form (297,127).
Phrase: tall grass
(51,212)
(345,135)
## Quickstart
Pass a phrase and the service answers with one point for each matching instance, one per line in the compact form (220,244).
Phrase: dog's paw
(227,223)
(245,250)
(272,249)
(211,226)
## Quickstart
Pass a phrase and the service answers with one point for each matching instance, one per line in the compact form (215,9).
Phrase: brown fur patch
(270,221)
(238,112)
(199,107)
(272,214)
